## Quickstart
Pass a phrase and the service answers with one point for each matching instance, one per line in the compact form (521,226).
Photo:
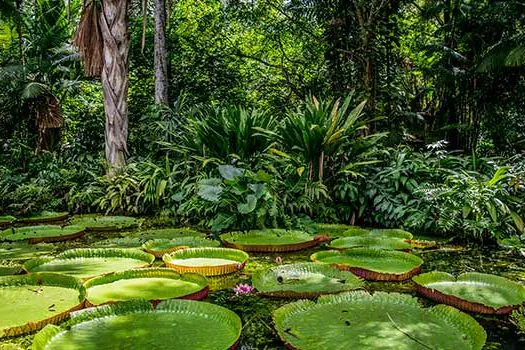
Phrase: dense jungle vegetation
(243,114)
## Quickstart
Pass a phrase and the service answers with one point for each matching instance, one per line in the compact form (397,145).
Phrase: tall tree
(103,41)
(161,54)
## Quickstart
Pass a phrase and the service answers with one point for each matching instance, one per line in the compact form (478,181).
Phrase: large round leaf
(272,240)
(168,233)
(121,242)
(373,264)
(152,284)
(304,280)
(87,263)
(394,233)
(29,302)
(357,320)
(370,242)
(207,261)
(472,291)
(44,217)
(159,247)
(42,233)
(333,230)
(174,324)
(24,251)
(6,220)
(10,269)
(97,223)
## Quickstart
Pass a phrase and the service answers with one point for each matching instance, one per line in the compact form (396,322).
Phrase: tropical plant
(207,261)
(270,240)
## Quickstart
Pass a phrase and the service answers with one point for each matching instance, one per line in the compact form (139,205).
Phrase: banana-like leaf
(29,302)
(42,233)
(91,262)
(372,264)
(472,291)
(207,261)
(152,284)
(304,280)
(174,324)
(43,217)
(369,242)
(271,240)
(97,223)
(24,251)
(358,320)
(159,247)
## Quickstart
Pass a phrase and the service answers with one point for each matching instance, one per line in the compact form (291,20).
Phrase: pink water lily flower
(243,288)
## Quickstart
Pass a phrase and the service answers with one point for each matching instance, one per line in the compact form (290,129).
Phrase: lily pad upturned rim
(182,242)
(258,282)
(150,273)
(39,279)
(468,326)
(208,252)
(47,217)
(468,305)
(226,317)
(387,243)
(370,274)
(304,241)
(92,253)
(66,233)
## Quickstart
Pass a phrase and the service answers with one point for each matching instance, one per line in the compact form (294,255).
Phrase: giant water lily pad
(373,264)
(174,324)
(24,251)
(90,262)
(29,302)
(357,320)
(272,240)
(152,284)
(207,261)
(10,269)
(42,233)
(97,223)
(385,233)
(43,217)
(159,247)
(169,233)
(472,291)
(370,242)
(304,280)
(6,220)
(333,230)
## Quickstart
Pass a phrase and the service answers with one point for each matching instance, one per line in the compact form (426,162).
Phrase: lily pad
(24,251)
(29,302)
(394,233)
(159,247)
(42,233)
(7,270)
(169,233)
(304,280)
(91,262)
(207,261)
(354,231)
(333,230)
(174,324)
(370,242)
(97,223)
(44,217)
(358,320)
(422,244)
(272,240)
(122,242)
(373,264)
(6,220)
(154,284)
(472,291)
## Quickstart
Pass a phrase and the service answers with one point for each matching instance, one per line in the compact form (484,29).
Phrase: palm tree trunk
(161,55)
(114,28)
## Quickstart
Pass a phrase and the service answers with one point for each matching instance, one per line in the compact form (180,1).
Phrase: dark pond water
(255,311)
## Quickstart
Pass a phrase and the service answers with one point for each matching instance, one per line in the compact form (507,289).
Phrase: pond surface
(255,311)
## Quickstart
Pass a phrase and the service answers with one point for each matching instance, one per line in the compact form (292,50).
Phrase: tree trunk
(114,28)
(161,55)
